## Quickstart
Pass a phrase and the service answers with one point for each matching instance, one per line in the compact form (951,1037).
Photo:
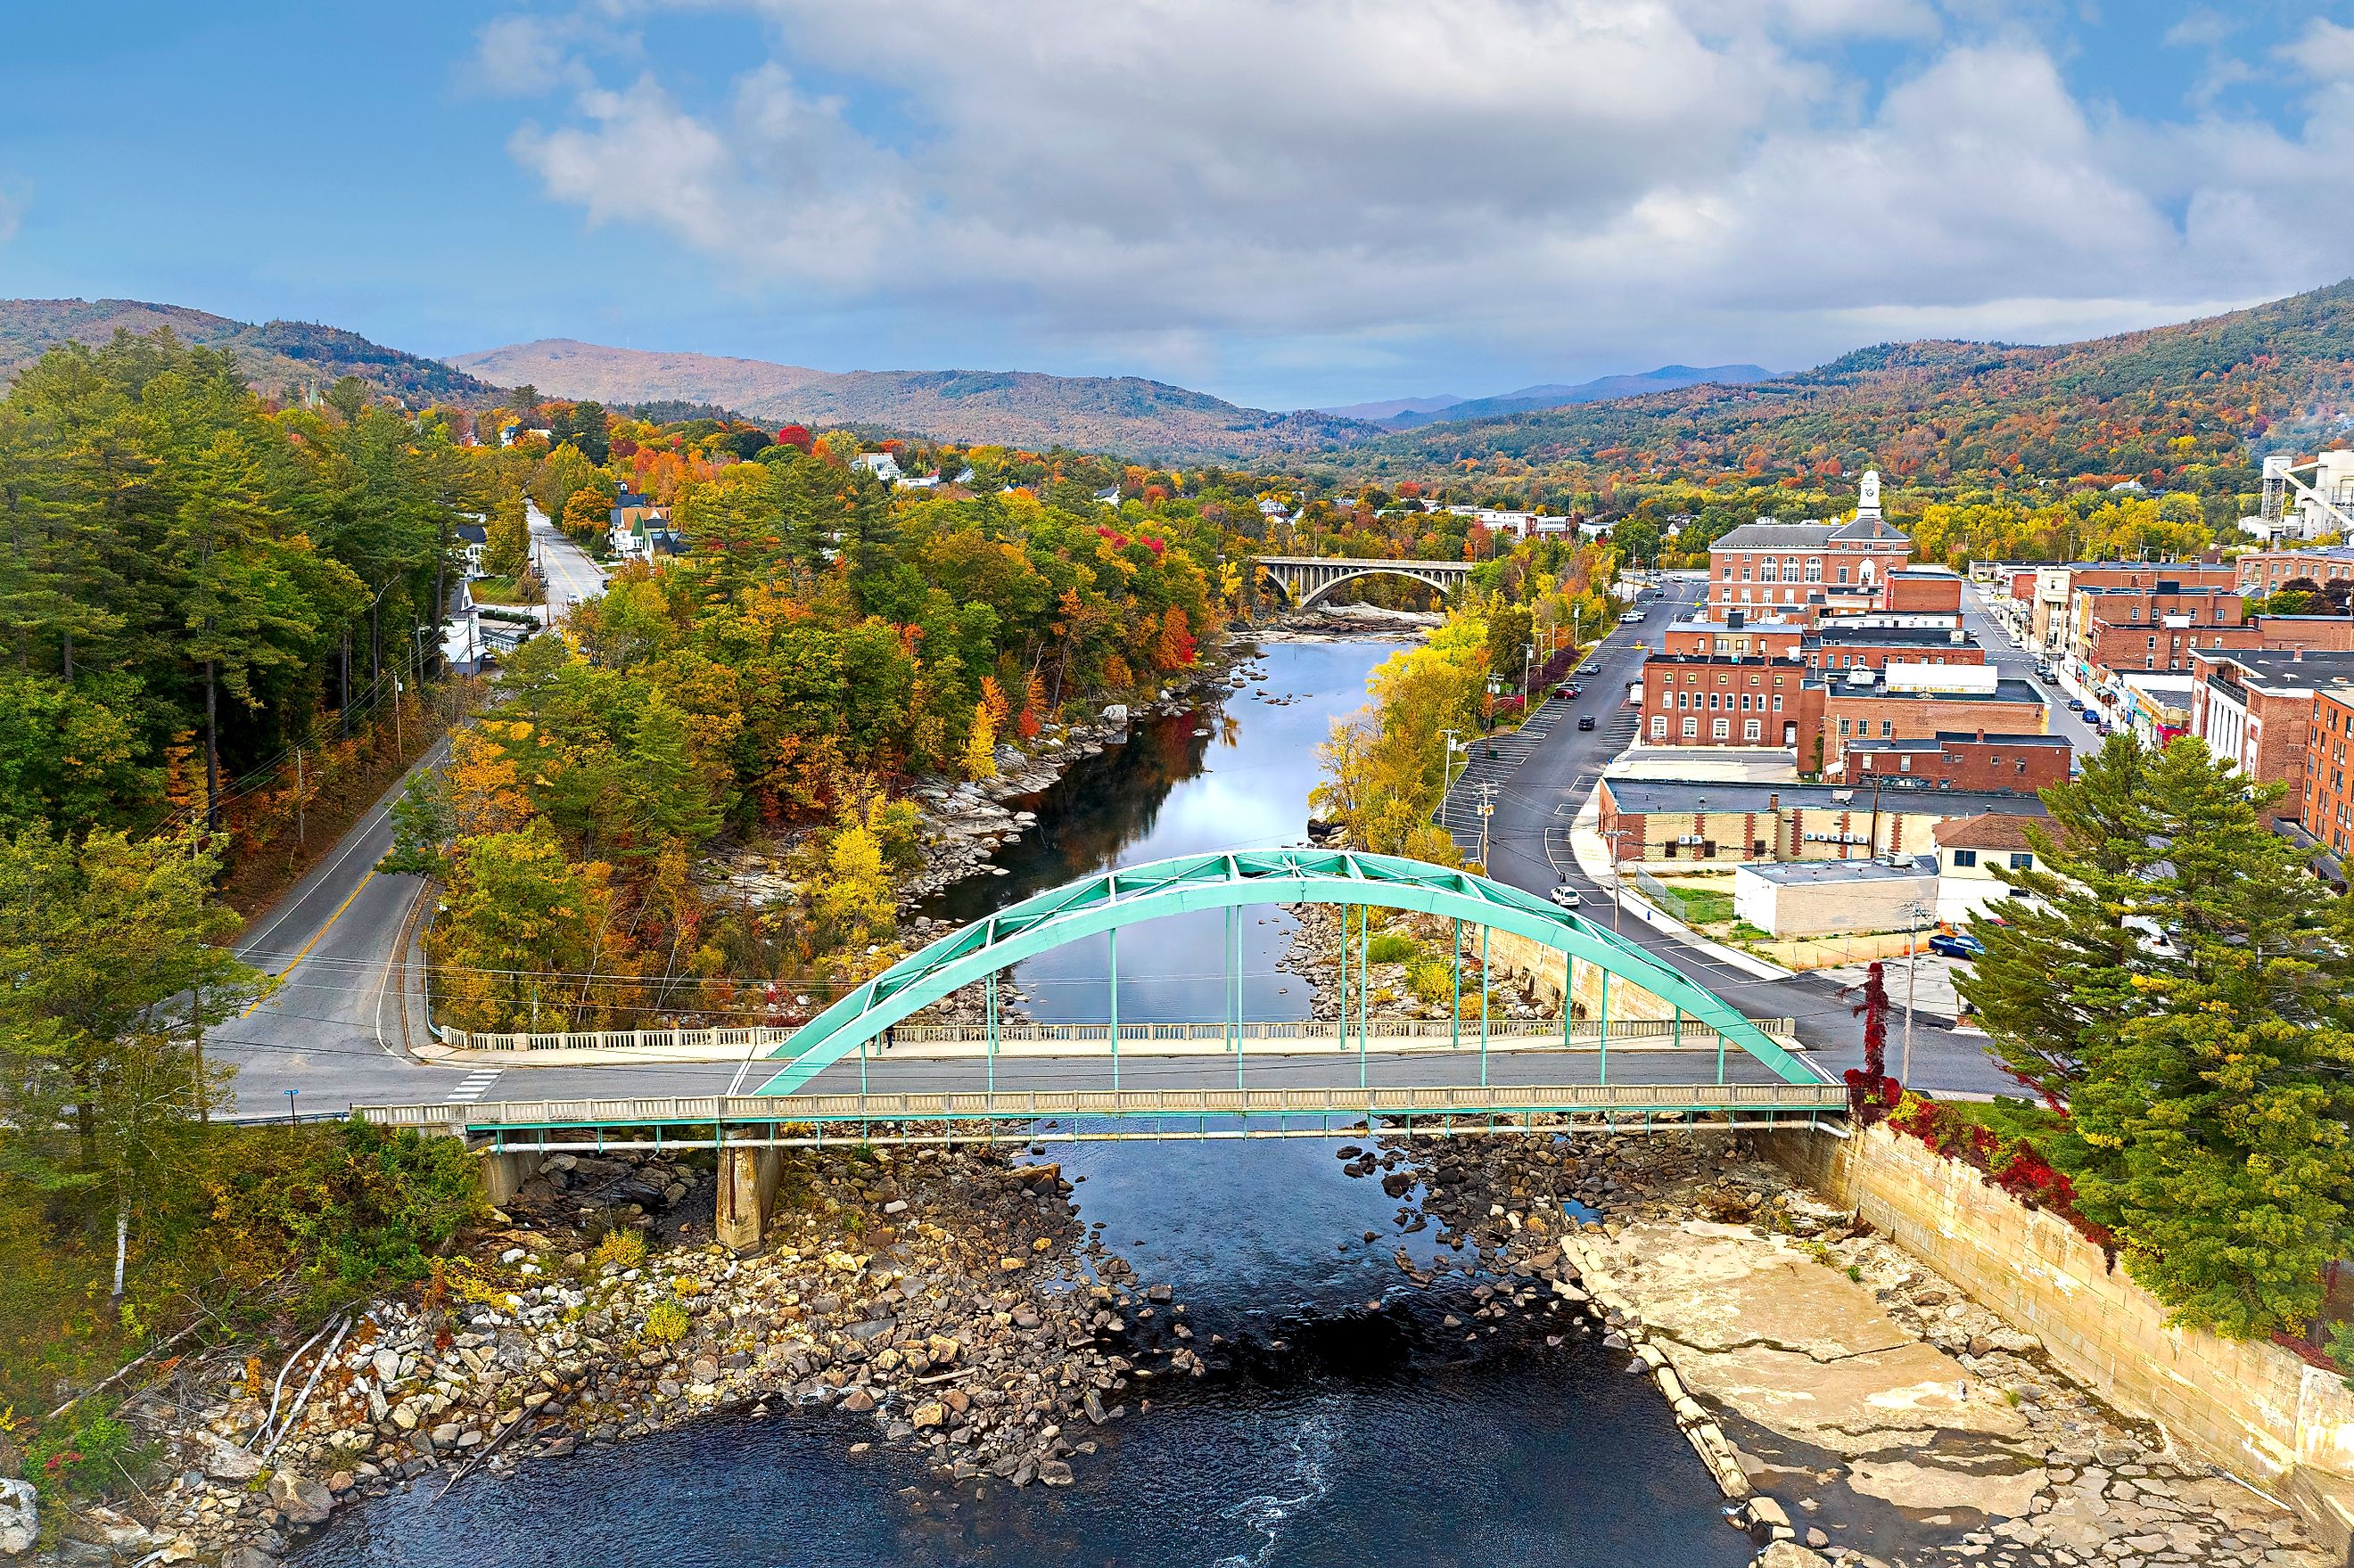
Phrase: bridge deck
(1015,1114)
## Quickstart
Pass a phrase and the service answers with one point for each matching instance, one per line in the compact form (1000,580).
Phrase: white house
(1969,849)
(882,465)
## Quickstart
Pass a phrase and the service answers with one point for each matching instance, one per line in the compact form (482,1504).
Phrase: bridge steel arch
(1307,578)
(1127,895)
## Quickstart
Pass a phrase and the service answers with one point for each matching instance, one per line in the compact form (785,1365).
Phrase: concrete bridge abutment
(747,1189)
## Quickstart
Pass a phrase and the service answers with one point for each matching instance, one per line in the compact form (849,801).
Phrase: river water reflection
(1331,1433)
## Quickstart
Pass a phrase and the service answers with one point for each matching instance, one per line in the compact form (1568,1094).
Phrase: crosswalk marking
(471,1088)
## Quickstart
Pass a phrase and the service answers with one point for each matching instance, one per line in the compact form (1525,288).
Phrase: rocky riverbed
(952,1298)
(1854,1406)
(1315,956)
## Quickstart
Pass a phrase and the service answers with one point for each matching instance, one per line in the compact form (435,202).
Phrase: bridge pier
(748,1185)
(502,1175)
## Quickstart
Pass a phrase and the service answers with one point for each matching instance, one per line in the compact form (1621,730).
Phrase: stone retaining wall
(2254,1407)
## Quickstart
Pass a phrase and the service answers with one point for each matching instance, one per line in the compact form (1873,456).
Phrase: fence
(733,1043)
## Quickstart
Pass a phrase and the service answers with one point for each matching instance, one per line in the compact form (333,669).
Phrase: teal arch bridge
(865,1023)
(860,1072)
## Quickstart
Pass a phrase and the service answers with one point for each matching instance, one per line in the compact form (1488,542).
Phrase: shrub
(666,1323)
(624,1247)
(86,1460)
(1390,947)
(1430,980)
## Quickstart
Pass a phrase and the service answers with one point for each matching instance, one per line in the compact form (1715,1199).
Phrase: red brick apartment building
(2325,803)
(1735,635)
(2262,571)
(1701,699)
(1961,760)
(2257,709)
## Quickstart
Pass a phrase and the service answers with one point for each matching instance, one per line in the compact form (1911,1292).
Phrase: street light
(1446,764)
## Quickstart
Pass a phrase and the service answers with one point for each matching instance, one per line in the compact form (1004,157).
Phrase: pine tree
(2205,1053)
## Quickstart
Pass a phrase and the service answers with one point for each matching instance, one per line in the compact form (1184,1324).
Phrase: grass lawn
(1703,905)
(496,591)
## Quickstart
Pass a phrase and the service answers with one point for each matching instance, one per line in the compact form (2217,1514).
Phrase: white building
(882,465)
(1837,897)
(2306,500)
(1969,849)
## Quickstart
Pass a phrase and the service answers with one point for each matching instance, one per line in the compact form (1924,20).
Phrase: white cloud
(1241,185)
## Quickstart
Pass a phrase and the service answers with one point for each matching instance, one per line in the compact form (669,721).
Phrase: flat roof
(2281,669)
(1648,797)
(1924,636)
(2005,689)
(1946,737)
(1801,873)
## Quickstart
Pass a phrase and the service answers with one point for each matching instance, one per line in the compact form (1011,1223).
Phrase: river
(1332,1431)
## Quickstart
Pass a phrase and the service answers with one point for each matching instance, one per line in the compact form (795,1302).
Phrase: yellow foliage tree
(981,745)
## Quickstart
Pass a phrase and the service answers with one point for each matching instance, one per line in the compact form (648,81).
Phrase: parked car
(1585,721)
(1955,945)
(1575,690)
(1630,618)
(1566,896)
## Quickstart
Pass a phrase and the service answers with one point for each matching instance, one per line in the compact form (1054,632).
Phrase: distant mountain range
(1404,413)
(275,354)
(2188,406)
(1126,414)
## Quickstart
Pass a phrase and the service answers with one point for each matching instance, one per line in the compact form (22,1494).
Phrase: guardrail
(745,1041)
(801,1119)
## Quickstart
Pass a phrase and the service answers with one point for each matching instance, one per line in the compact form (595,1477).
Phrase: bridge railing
(1645,1033)
(740,1119)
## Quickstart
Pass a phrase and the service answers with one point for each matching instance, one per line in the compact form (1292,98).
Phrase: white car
(1566,896)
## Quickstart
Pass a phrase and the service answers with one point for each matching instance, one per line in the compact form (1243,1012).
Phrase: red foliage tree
(1870,1092)
(795,435)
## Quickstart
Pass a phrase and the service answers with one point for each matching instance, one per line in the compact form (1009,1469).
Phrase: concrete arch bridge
(1307,578)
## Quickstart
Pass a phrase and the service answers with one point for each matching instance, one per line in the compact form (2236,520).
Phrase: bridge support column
(505,1174)
(748,1183)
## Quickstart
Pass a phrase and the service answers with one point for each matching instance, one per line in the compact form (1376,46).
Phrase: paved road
(570,575)
(1529,848)
(334,1030)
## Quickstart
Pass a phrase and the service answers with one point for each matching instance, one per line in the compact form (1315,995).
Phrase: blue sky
(1284,202)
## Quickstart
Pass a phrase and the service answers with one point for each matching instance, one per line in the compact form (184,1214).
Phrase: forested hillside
(1128,415)
(2181,408)
(276,357)
(193,582)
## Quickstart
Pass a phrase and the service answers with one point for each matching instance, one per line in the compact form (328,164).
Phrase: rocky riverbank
(1852,1406)
(950,1297)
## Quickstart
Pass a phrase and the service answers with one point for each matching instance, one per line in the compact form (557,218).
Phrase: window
(1719,729)
(1659,727)
(1842,574)
(1966,857)
(1691,728)
(1887,729)
(1777,698)
(1815,569)
(1750,730)
(1904,763)
(1842,729)
(2020,860)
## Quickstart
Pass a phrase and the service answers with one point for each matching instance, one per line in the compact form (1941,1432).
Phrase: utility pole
(1915,916)
(1446,765)
(1487,809)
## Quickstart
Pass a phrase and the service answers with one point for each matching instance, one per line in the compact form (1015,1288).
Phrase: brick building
(1917,703)
(2154,627)
(1924,590)
(2326,803)
(1659,821)
(1813,567)
(1840,645)
(1702,699)
(1736,635)
(1963,760)
(2262,571)
(2257,708)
